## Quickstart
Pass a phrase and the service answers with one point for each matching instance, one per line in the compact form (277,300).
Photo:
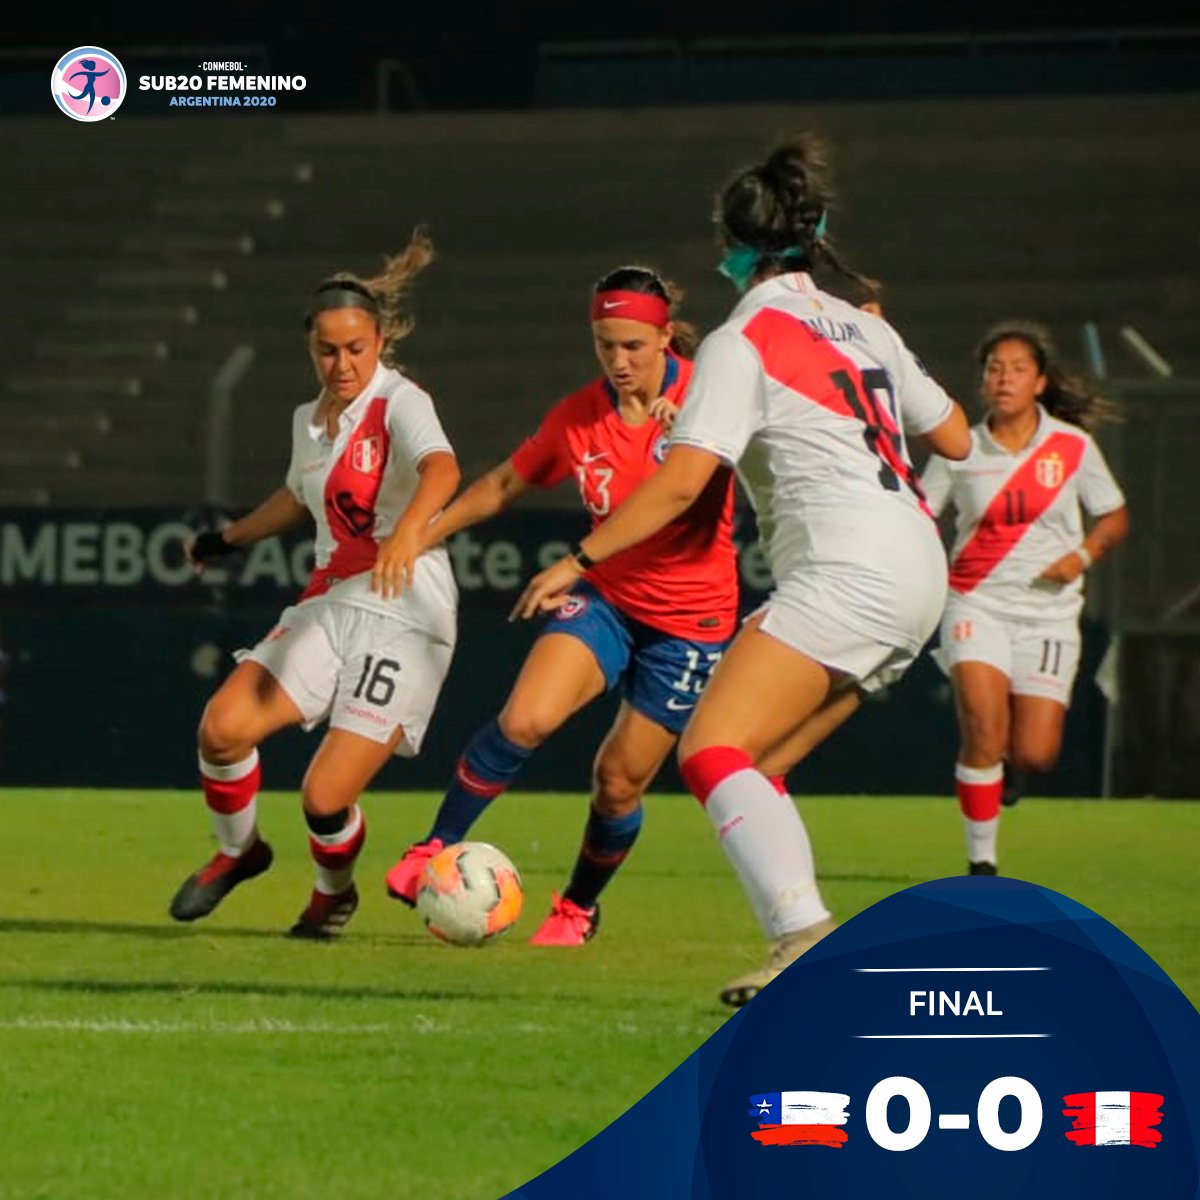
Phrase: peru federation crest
(366,455)
(1049,471)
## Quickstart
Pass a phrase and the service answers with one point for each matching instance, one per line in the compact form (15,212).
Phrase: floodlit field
(142,1060)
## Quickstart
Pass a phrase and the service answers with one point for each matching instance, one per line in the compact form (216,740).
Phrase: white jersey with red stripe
(812,398)
(357,484)
(1016,512)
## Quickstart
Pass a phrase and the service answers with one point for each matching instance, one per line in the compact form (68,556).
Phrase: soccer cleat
(402,878)
(568,924)
(202,891)
(326,916)
(981,868)
(784,952)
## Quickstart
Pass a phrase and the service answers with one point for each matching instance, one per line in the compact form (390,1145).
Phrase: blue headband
(740,262)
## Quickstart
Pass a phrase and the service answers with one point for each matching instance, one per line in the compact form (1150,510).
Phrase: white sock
(237,831)
(764,838)
(981,839)
(331,880)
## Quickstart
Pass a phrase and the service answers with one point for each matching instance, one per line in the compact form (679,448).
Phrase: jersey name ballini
(358,483)
(812,398)
(1018,512)
(683,580)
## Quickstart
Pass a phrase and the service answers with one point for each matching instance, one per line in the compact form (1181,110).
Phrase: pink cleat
(567,924)
(402,878)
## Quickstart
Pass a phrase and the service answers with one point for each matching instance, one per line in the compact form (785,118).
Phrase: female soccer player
(371,464)
(808,396)
(1010,633)
(653,624)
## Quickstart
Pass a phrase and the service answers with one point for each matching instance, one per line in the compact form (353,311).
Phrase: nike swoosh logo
(587,458)
(675,706)
(607,304)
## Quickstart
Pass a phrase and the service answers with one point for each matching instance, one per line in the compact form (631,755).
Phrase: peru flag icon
(800,1118)
(1114,1118)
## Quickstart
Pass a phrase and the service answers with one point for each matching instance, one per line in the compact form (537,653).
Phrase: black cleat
(201,892)
(981,868)
(1014,785)
(326,916)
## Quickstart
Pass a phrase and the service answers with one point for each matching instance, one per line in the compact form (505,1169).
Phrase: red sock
(978,790)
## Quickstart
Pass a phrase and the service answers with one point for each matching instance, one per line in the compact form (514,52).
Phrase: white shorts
(1039,658)
(368,673)
(813,630)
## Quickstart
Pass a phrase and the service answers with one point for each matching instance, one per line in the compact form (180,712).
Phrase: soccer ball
(469,893)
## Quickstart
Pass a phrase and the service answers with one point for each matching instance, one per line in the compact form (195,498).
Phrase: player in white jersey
(811,398)
(371,466)
(1009,637)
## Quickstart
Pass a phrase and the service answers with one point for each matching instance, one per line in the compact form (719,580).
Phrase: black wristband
(210,543)
(582,557)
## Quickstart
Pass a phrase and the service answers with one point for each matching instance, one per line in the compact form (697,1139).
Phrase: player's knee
(983,736)
(1033,759)
(222,734)
(322,797)
(527,727)
(617,793)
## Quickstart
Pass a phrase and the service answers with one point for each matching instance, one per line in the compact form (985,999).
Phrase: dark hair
(388,290)
(685,340)
(777,206)
(1069,395)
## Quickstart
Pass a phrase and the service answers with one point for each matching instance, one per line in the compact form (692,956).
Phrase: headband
(340,297)
(631,306)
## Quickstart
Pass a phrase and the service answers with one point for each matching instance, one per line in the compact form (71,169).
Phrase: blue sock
(485,768)
(607,842)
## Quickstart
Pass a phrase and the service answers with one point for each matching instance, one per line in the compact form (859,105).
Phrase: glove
(209,544)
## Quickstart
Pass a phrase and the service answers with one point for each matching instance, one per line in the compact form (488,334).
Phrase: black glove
(209,544)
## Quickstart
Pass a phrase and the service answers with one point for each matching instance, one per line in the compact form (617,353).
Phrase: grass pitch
(142,1060)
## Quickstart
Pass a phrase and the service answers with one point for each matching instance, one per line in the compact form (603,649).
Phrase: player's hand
(392,574)
(205,546)
(664,412)
(1063,570)
(548,590)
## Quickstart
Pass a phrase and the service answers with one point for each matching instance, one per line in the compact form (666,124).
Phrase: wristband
(210,543)
(582,557)
(1085,554)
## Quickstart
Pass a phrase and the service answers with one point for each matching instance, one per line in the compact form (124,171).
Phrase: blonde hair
(389,289)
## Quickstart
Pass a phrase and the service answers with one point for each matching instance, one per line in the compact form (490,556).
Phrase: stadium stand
(143,252)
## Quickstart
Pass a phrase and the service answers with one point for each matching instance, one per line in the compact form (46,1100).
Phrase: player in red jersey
(653,622)
(370,465)
(1009,636)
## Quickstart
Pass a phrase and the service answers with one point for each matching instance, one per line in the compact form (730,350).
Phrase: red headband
(631,306)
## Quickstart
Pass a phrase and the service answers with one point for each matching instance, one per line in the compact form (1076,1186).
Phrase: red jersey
(683,580)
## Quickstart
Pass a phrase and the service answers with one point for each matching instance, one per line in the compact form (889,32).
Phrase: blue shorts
(660,675)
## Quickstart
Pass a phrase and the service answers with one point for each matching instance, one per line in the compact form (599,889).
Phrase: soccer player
(372,466)
(1009,638)
(653,624)
(810,397)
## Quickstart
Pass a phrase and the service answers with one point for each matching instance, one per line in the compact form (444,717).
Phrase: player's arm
(670,491)
(952,438)
(1105,533)
(393,570)
(488,495)
(280,511)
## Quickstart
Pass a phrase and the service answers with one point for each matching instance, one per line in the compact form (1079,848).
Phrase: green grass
(141,1060)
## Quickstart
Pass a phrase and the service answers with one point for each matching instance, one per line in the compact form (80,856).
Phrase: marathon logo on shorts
(962,631)
(366,455)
